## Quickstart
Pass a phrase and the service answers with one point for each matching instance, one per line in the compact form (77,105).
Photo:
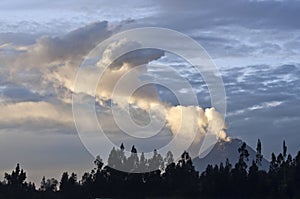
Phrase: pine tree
(112,159)
(243,158)
(273,164)
(284,149)
(99,162)
(64,181)
(17,178)
(156,162)
(132,162)
(143,163)
(43,184)
(49,184)
(259,155)
(169,159)
(239,172)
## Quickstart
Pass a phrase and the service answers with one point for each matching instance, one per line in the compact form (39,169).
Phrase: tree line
(166,178)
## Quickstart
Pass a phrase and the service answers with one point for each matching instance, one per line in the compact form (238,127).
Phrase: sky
(254,44)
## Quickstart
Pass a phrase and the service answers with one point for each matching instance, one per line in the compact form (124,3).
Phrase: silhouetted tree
(156,162)
(241,165)
(284,149)
(296,174)
(259,155)
(49,185)
(15,185)
(17,178)
(143,163)
(64,182)
(113,159)
(239,173)
(132,162)
(273,164)
(169,159)
(187,175)
(69,187)
(166,179)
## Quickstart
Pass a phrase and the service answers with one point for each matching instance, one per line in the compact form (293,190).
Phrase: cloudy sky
(255,45)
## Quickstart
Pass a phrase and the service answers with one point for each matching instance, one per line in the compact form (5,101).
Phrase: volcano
(223,150)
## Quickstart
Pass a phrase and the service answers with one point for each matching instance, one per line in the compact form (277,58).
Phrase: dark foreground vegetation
(169,180)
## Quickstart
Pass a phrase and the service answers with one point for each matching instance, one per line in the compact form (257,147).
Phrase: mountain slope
(223,150)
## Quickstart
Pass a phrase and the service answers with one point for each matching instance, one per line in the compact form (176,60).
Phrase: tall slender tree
(259,155)
(284,149)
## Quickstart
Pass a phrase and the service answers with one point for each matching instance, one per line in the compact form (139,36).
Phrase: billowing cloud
(37,72)
(188,121)
(50,51)
(37,78)
(55,62)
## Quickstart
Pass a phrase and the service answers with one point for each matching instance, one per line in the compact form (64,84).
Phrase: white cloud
(264,105)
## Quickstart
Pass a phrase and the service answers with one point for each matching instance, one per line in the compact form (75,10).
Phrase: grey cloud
(74,44)
(60,17)
(235,29)
(249,119)
(78,5)
(13,93)
(263,83)
(262,102)
(39,127)
(49,154)
(17,38)
(252,14)
(31,66)
(137,57)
